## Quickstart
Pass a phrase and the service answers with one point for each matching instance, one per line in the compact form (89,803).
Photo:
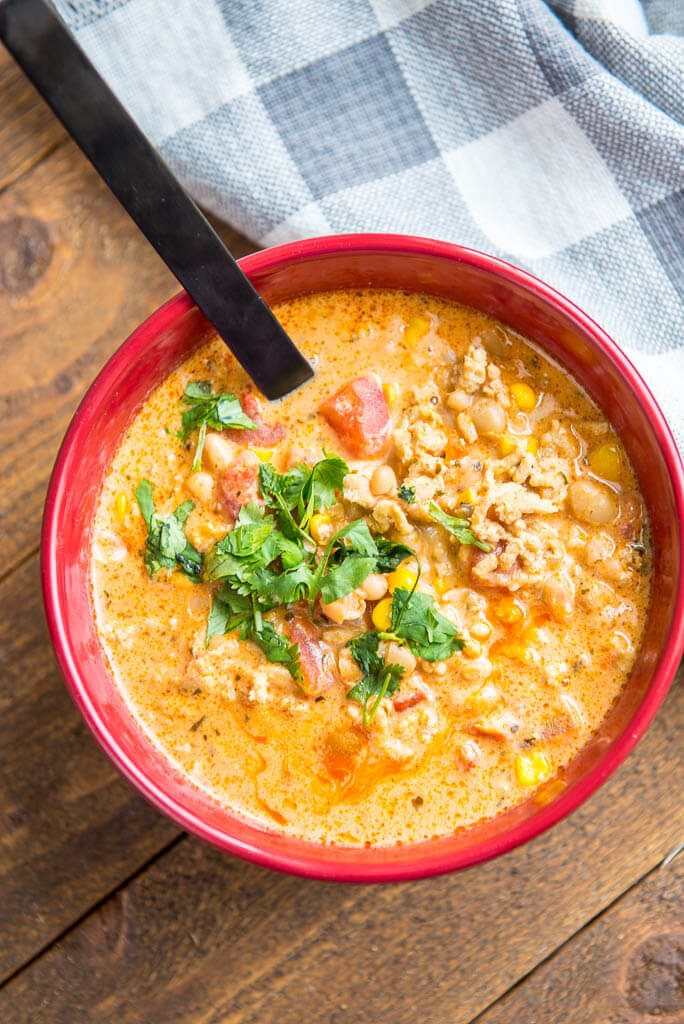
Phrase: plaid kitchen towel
(547,133)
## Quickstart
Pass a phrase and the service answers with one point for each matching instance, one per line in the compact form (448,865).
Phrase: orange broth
(482,424)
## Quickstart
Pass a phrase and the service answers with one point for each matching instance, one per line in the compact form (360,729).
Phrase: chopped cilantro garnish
(166,546)
(379,679)
(206,409)
(302,491)
(391,554)
(407,494)
(415,623)
(350,556)
(231,610)
(460,528)
(427,633)
(268,560)
(276,648)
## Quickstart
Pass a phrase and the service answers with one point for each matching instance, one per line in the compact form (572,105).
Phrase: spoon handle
(145,187)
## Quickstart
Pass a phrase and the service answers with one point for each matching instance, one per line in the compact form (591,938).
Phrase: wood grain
(627,967)
(70,828)
(203,938)
(28,129)
(76,277)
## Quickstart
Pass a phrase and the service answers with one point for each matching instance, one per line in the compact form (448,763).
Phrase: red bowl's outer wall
(358,261)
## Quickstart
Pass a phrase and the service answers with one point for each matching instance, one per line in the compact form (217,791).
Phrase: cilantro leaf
(302,491)
(407,494)
(283,492)
(166,546)
(252,544)
(379,679)
(206,409)
(276,648)
(231,610)
(390,554)
(427,633)
(344,578)
(460,528)
(228,611)
(319,491)
(282,587)
(143,495)
(364,650)
(353,554)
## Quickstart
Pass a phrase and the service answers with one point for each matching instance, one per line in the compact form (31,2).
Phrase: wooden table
(108,912)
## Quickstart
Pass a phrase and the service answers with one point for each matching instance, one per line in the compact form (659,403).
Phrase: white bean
(497,342)
(458,400)
(592,502)
(219,452)
(201,487)
(345,608)
(396,654)
(559,596)
(349,670)
(488,416)
(373,587)
(383,481)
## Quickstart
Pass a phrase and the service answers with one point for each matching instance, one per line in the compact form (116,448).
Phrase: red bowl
(360,261)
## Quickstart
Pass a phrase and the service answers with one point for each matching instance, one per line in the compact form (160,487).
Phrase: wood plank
(71,828)
(626,967)
(200,937)
(76,277)
(28,129)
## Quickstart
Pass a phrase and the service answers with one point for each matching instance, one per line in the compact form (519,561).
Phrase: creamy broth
(466,418)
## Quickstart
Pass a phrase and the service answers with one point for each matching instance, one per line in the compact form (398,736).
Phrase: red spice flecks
(264,435)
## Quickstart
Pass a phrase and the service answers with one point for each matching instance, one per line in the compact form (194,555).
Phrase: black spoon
(145,187)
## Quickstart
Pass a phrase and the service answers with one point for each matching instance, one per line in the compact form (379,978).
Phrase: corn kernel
(509,610)
(182,581)
(473,649)
(120,507)
(531,769)
(390,391)
(506,444)
(416,329)
(321,528)
(517,651)
(532,445)
(605,462)
(402,578)
(382,614)
(263,454)
(523,396)
(481,630)
(467,497)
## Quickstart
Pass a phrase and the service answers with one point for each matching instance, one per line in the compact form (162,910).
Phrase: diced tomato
(239,483)
(360,416)
(402,702)
(317,659)
(264,435)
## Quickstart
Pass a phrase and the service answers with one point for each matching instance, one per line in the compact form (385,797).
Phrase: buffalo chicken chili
(394,604)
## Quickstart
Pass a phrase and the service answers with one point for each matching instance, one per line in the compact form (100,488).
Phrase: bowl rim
(307,864)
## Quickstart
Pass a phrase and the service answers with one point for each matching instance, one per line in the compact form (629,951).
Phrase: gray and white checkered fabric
(547,133)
